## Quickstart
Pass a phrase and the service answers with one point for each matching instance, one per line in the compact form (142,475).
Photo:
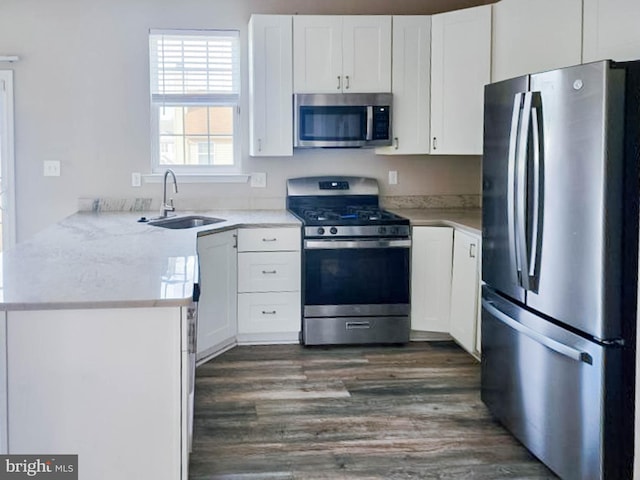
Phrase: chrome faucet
(164,208)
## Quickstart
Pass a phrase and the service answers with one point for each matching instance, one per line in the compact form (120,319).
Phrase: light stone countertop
(468,219)
(109,260)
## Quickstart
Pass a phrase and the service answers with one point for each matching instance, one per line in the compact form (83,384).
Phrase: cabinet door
(611,30)
(431,278)
(366,53)
(270,86)
(464,289)
(218,290)
(410,85)
(317,54)
(460,68)
(111,375)
(534,36)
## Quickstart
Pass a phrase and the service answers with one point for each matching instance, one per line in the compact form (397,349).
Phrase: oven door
(356,277)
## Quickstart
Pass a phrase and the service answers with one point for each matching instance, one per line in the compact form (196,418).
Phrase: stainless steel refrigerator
(560,264)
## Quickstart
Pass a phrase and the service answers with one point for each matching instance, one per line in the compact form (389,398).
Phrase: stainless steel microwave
(342,119)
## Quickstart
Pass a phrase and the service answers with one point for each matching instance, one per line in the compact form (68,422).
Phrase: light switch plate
(51,168)
(136,179)
(259,180)
(393,177)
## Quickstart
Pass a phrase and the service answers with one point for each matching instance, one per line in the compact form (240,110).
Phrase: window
(195,91)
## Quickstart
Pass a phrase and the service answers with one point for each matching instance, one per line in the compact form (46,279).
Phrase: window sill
(200,177)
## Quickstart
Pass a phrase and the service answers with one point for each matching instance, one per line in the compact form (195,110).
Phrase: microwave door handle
(369,123)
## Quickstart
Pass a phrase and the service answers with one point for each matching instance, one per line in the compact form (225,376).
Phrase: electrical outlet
(393,177)
(136,179)
(259,180)
(51,168)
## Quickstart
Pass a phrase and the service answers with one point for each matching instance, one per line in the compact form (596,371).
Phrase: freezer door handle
(554,345)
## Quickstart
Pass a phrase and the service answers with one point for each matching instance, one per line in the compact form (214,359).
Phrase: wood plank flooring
(398,412)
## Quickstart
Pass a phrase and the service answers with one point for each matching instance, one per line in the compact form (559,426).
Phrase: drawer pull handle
(272,312)
(357,325)
(269,239)
(269,272)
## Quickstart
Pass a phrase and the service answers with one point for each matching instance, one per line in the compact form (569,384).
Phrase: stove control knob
(382,230)
(320,231)
(333,230)
(394,230)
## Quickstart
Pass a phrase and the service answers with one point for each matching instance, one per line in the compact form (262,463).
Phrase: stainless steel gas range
(355,262)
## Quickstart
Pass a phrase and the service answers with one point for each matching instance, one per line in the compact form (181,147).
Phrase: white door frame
(7,156)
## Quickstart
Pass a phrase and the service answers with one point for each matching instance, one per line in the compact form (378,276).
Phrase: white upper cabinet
(460,68)
(611,30)
(270,86)
(535,35)
(334,54)
(410,85)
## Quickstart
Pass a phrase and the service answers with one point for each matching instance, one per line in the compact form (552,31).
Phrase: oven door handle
(342,244)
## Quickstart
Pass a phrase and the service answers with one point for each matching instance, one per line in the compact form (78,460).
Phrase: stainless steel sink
(190,221)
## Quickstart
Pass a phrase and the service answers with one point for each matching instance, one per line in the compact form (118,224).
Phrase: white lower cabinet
(269,305)
(465,289)
(272,313)
(445,285)
(431,278)
(217,308)
(268,272)
(106,384)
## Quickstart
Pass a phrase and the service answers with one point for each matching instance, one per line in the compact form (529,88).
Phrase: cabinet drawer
(269,312)
(269,272)
(268,239)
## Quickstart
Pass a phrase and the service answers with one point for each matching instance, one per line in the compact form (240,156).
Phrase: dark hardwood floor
(406,412)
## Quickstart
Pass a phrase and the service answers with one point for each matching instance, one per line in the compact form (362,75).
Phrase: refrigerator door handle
(521,191)
(554,345)
(514,258)
(537,172)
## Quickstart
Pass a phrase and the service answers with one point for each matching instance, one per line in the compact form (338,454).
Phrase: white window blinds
(200,66)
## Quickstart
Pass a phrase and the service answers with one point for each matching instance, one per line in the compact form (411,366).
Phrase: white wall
(81,97)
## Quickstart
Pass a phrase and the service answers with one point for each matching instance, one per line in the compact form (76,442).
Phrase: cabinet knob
(396,143)
(472,250)
(338,82)
(435,143)
(347,87)
(259,144)
(269,272)
(265,312)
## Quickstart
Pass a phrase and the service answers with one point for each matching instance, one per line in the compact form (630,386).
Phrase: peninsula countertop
(109,260)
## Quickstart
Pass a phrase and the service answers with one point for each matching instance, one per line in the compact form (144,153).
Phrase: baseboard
(420,336)
(267,338)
